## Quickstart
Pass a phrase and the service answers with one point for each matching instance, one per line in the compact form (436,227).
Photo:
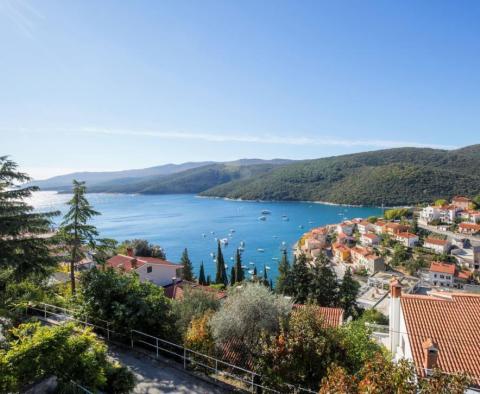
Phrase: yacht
(266,212)
(262,218)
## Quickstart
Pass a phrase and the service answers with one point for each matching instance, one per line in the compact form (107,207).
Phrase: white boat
(251,272)
(266,212)
(262,218)
(301,226)
(260,250)
(285,219)
(224,241)
(212,254)
(231,258)
(267,267)
(242,244)
(251,263)
(275,258)
(241,249)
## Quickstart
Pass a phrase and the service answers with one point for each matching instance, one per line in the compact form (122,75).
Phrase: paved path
(154,377)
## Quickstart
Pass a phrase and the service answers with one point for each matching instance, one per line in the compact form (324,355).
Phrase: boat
(286,219)
(231,258)
(251,272)
(260,250)
(301,226)
(212,254)
(275,258)
(224,241)
(251,263)
(204,235)
(266,212)
(267,267)
(242,244)
(275,236)
(262,218)
(232,230)
(241,249)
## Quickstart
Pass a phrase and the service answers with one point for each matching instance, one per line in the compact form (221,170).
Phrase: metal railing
(249,380)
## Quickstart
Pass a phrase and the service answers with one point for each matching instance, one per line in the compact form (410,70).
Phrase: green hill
(392,177)
(194,180)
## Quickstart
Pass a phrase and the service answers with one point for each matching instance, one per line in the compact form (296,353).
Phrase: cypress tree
(232,276)
(348,294)
(324,286)
(208,280)
(22,252)
(239,274)
(255,272)
(301,279)
(187,267)
(221,275)
(201,276)
(265,276)
(75,230)
(284,279)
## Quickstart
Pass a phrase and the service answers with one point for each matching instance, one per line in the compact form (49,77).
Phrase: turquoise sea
(179,221)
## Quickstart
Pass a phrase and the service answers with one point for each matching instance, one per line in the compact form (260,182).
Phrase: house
(378,226)
(345,228)
(407,239)
(468,256)
(440,330)
(468,228)
(393,228)
(320,234)
(439,246)
(429,214)
(364,226)
(332,317)
(341,253)
(152,269)
(461,202)
(370,239)
(442,274)
(445,214)
(365,258)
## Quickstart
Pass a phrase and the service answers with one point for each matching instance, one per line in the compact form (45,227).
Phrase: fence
(213,367)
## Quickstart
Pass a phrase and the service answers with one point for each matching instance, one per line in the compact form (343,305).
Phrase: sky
(109,85)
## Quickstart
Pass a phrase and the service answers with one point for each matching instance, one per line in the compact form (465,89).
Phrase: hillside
(64,182)
(392,177)
(194,180)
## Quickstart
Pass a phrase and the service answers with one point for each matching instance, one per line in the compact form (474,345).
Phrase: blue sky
(101,85)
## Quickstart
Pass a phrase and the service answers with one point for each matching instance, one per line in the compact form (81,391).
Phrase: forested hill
(391,177)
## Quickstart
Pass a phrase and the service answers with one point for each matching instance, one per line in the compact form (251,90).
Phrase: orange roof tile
(407,235)
(131,263)
(446,268)
(453,323)
(436,241)
(333,317)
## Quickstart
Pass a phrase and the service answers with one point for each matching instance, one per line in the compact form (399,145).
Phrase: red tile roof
(407,235)
(436,241)
(446,268)
(176,292)
(461,199)
(131,263)
(452,322)
(469,226)
(332,317)
(371,236)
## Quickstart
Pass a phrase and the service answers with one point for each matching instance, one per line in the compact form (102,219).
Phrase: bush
(126,302)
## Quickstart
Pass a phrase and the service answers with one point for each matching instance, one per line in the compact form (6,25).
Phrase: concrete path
(154,377)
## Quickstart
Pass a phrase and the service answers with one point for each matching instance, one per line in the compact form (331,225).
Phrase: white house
(427,330)
(407,239)
(442,274)
(438,245)
(158,271)
(345,228)
(364,226)
(370,239)
(430,213)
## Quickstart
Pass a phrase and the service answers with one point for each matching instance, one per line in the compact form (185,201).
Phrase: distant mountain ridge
(400,176)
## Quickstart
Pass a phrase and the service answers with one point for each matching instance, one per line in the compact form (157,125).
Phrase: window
(149,269)
(447,277)
(434,275)
(442,276)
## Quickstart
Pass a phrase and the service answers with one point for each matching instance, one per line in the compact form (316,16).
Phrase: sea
(187,221)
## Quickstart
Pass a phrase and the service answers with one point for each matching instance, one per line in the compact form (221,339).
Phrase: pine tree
(301,279)
(348,294)
(75,230)
(22,251)
(239,274)
(201,276)
(284,279)
(324,286)
(232,276)
(221,275)
(187,267)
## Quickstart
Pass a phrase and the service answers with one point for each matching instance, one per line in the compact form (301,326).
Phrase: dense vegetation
(390,177)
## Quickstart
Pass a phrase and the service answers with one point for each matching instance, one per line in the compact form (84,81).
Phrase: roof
(320,230)
(360,250)
(132,263)
(470,226)
(407,235)
(452,322)
(370,235)
(332,317)
(446,268)
(436,241)
(461,199)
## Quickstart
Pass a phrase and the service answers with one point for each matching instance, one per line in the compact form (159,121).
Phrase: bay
(186,221)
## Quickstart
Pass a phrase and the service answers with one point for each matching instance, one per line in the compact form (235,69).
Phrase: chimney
(134,263)
(130,252)
(394,315)
(430,354)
